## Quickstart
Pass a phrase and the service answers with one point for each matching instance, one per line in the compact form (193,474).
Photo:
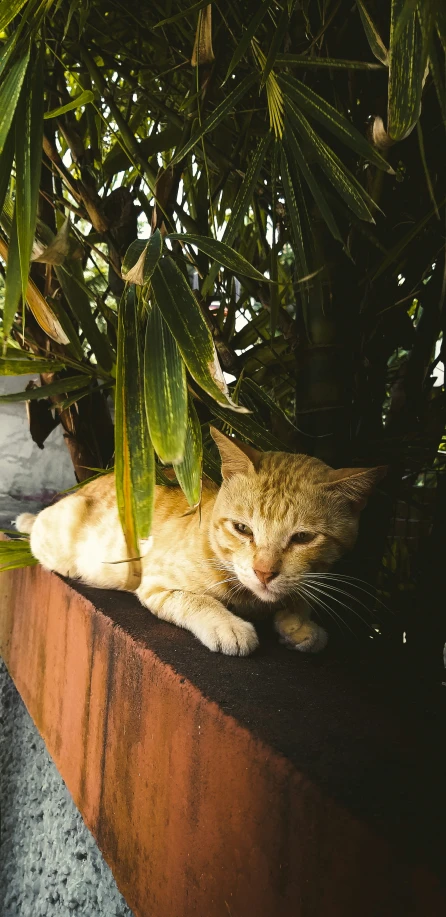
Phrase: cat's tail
(25,522)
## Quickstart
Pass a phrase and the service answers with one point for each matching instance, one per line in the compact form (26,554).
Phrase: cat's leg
(298,632)
(206,618)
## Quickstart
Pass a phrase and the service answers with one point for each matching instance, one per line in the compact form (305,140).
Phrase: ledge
(275,785)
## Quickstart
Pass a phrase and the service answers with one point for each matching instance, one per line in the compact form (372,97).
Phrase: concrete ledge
(275,785)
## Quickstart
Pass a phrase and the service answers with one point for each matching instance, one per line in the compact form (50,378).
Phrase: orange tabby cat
(276,518)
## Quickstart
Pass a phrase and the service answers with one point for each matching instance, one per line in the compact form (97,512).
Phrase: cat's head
(279,516)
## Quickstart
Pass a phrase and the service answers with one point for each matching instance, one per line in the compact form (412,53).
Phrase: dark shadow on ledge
(356,719)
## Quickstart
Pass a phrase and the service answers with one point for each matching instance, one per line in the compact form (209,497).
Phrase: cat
(276,519)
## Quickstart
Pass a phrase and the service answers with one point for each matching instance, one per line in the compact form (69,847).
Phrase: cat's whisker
(342,604)
(332,588)
(230,579)
(330,611)
(352,581)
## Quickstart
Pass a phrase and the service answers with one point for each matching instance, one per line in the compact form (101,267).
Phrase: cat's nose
(265,576)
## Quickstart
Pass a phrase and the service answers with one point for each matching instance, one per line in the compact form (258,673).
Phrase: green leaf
(320,199)
(183,315)
(274,301)
(21,367)
(13,283)
(408,58)
(219,113)
(72,383)
(18,561)
(277,39)
(247,37)
(6,158)
(323,112)
(83,99)
(437,71)
(141,258)
(134,458)
(398,249)
(240,205)
(221,253)
(189,470)
(71,279)
(257,394)
(9,96)
(8,10)
(294,218)
(377,46)
(191,9)
(333,63)
(408,8)
(342,180)
(117,159)
(245,425)
(165,389)
(29,135)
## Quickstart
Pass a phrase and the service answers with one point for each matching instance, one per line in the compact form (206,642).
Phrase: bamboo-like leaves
(183,315)
(71,384)
(408,57)
(15,554)
(8,10)
(29,134)
(221,253)
(295,151)
(317,107)
(141,258)
(374,39)
(219,113)
(134,458)
(321,63)
(189,470)
(165,389)
(293,212)
(241,205)
(341,179)
(71,279)
(14,364)
(42,311)
(83,99)
(10,94)
(247,37)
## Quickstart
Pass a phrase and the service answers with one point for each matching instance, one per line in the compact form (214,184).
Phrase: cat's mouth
(265,592)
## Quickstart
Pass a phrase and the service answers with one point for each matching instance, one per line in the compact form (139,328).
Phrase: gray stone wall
(50,865)
(49,861)
(28,475)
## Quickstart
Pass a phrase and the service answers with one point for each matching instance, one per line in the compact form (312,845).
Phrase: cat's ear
(355,484)
(236,457)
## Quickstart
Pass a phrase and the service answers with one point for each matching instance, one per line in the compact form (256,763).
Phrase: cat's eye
(302,538)
(243,529)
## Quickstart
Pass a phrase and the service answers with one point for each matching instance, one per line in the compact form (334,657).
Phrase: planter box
(274,785)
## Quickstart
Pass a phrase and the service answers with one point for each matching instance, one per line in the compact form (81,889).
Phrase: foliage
(211,192)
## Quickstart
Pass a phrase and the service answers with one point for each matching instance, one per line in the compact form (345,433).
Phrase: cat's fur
(195,568)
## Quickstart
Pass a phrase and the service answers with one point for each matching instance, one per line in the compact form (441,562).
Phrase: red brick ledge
(195,809)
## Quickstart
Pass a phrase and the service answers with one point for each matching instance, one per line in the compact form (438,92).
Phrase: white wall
(28,473)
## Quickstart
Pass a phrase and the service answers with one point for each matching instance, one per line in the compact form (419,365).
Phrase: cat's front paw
(230,636)
(304,636)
